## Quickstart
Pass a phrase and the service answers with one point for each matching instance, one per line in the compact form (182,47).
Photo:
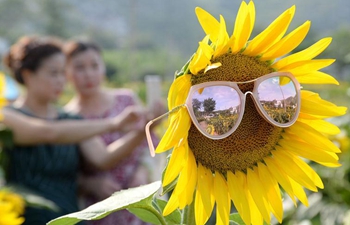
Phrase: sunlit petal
(209,24)
(288,43)
(237,185)
(306,54)
(273,33)
(223,203)
(316,77)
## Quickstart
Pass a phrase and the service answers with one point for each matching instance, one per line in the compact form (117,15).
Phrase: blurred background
(155,37)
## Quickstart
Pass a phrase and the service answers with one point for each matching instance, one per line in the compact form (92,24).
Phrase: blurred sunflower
(11,207)
(249,166)
(3,101)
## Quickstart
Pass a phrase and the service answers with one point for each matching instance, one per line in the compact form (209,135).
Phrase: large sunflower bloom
(250,166)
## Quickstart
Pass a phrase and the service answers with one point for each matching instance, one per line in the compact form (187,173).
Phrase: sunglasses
(216,108)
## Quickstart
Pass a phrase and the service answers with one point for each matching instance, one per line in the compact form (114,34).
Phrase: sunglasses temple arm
(148,132)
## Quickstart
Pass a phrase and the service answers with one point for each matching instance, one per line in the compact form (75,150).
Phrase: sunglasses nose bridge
(248,92)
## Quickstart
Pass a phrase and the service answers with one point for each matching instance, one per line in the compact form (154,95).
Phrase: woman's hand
(105,188)
(132,118)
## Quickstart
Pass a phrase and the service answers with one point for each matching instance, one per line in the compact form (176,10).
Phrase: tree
(209,105)
(196,105)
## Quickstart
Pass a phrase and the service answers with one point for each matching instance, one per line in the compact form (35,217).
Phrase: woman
(86,70)
(50,170)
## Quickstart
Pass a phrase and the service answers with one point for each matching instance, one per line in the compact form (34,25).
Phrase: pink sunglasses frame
(234,85)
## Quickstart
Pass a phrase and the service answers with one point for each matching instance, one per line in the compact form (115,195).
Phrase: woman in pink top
(86,70)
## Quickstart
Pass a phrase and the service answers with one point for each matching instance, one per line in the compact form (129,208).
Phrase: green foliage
(125,66)
(209,105)
(32,198)
(138,200)
(6,136)
(235,219)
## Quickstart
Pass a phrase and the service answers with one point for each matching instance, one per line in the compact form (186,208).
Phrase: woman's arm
(104,158)
(29,131)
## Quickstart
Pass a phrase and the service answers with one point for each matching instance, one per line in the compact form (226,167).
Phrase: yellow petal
(329,164)
(205,47)
(212,66)
(273,33)
(305,168)
(308,151)
(221,46)
(307,116)
(292,169)
(280,176)
(201,216)
(178,91)
(272,190)
(306,54)
(321,126)
(258,194)
(237,185)
(175,164)
(209,24)
(177,130)
(202,56)
(243,26)
(251,10)
(306,134)
(311,103)
(316,77)
(256,216)
(204,201)
(223,203)
(307,66)
(187,181)
(192,178)
(299,192)
(288,43)
(172,204)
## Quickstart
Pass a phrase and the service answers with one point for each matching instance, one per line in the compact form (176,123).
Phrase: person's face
(47,82)
(86,71)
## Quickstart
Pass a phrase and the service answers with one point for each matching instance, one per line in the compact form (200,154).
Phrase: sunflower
(3,101)
(11,207)
(250,166)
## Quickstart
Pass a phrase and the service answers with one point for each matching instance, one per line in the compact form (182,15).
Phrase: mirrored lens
(278,97)
(216,109)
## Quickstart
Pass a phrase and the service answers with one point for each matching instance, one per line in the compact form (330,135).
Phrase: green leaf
(236,219)
(169,187)
(32,198)
(120,200)
(146,210)
(184,69)
(148,215)
(145,215)
(6,136)
(172,218)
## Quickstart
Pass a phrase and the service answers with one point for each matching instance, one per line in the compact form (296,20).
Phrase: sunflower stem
(188,215)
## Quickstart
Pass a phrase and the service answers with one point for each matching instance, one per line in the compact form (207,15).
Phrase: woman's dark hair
(28,53)
(74,47)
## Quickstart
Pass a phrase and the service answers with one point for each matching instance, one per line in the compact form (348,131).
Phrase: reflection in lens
(216,109)
(278,97)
